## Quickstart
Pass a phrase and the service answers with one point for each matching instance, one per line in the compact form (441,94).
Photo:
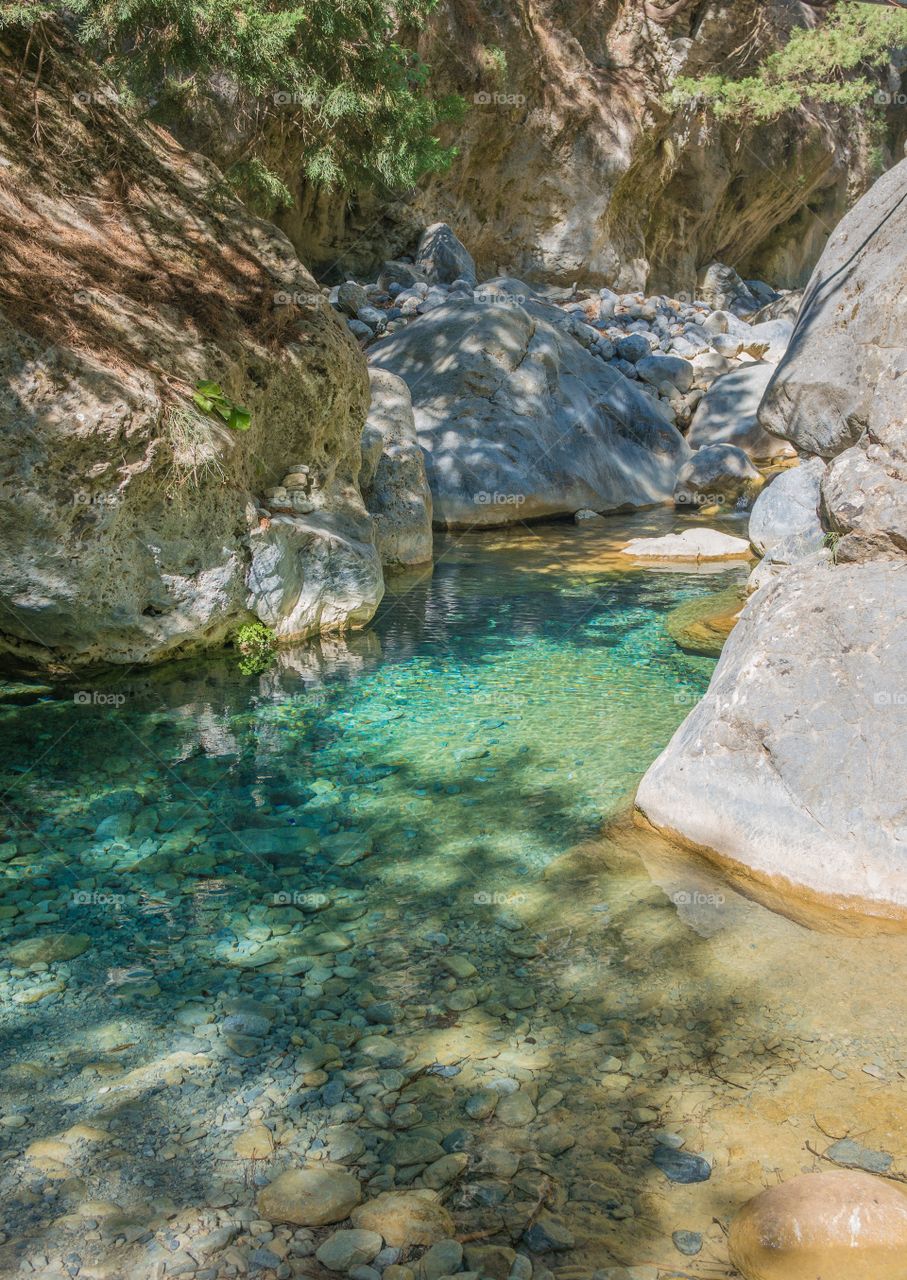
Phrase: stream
(384,906)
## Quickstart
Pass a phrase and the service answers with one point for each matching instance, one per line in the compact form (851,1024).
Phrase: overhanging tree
(331,76)
(837,61)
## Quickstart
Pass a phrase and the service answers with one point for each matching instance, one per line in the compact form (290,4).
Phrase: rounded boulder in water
(839,1225)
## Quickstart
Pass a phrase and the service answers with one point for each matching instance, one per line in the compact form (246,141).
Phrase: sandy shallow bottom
(392,891)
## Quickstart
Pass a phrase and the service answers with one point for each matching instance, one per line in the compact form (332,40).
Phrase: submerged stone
(681,1166)
(853,1155)
(310,1197)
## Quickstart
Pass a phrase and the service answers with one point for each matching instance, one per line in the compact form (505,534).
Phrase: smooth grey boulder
(674,370)
(313,573)
(845,370)
(791,768)
(634,347)
(518,421)
(719,473)
(442,258)
(722,288)
(392,476)
(787,506)
(727,414)
(351,298)
(777,333)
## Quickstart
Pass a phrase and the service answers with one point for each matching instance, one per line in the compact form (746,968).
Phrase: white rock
(692,544)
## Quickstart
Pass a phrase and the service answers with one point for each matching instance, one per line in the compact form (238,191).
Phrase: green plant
(831,541)
(211,398)
(256,644)
(328,83)
(831,62)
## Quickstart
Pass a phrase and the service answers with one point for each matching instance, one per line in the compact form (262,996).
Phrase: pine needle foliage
(832,62)
(331,76)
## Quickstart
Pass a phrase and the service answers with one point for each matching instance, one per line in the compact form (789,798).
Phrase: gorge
(453,638)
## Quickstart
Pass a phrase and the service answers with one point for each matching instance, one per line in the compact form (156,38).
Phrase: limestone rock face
(517,420)
(838,1225)
(570,168)
(788,506)
(727,414)
(791,768)
(128,516)
(392,477)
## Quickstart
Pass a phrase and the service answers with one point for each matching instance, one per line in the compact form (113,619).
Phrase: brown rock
(405,1218)
(310,1197)
(840,1225)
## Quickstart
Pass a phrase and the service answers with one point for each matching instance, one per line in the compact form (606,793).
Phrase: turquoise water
(207,874)
(497,711)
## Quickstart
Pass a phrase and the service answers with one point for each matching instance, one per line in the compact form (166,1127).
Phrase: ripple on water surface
(251,922)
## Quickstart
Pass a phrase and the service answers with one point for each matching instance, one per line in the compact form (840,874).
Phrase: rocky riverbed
(319,923)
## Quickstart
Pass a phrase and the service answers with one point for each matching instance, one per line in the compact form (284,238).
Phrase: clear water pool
(253,923)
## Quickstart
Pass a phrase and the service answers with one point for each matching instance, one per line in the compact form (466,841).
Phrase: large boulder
(719,473)
(728,414)
(788,506)
(791,768)
(392,476)
(837,1225)
(722,288)
(842,381)
(517,420)
(313,573)
(130,517)
(442,258)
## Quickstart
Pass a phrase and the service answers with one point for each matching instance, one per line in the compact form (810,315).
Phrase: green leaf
(210,389)
(203,402)
(240,419)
